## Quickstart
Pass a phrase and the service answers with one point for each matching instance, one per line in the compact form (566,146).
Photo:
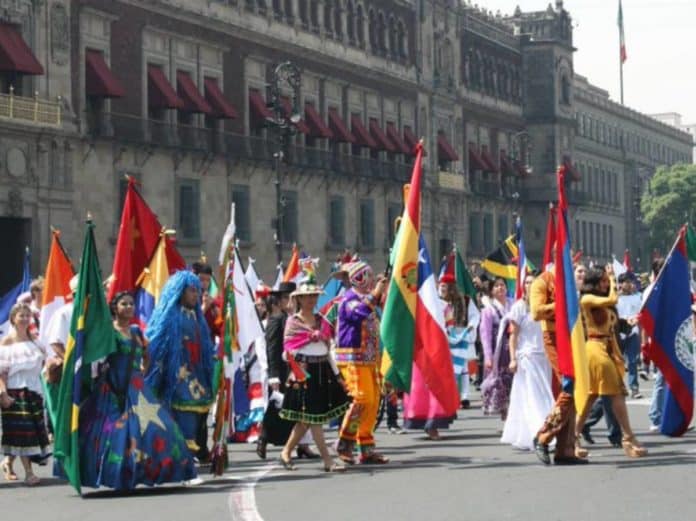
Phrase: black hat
(284,288)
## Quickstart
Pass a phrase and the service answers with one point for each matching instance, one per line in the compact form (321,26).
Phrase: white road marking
(242,501)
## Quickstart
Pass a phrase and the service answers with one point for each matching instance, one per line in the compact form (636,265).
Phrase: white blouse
(21,363)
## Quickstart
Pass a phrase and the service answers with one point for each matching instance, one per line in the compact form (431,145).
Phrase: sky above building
(659,75)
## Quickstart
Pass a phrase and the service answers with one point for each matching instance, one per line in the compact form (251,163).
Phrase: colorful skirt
(23,428)
(129,439)
(318,399)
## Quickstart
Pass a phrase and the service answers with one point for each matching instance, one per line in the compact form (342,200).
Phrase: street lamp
(283,124)
(521,152)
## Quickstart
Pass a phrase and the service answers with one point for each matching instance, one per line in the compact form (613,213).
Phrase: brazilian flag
(92,337)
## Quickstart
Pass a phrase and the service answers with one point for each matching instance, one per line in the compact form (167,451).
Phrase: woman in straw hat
(315,389)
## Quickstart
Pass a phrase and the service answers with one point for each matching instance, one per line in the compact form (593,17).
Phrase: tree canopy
(669,202)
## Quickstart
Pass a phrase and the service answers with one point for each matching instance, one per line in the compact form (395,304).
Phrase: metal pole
(621,79)
(279,208)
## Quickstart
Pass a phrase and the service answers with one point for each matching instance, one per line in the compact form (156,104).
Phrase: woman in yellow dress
(606,366)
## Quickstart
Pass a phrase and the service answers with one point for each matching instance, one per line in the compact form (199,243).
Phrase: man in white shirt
(628,309)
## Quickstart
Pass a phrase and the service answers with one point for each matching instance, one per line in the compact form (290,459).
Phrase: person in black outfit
(274,429)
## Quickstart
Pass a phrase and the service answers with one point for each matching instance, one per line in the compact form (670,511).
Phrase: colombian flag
(570,337)
(666,317)
(151,282)
(92,337)
(413,325)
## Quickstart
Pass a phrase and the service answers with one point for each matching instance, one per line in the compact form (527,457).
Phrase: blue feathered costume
(181,356)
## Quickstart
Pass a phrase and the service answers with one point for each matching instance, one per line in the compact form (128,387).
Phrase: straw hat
(307,288)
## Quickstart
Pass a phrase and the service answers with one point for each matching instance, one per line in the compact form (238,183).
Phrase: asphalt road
(466,475)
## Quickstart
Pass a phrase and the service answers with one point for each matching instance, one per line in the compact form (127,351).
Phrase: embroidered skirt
(318,399)
(23,428)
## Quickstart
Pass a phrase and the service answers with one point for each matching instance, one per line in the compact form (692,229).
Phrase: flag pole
(622,50)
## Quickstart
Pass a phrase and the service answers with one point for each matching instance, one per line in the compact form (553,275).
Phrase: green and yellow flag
(92,337)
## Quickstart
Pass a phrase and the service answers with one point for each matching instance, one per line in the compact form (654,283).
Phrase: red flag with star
(137,239)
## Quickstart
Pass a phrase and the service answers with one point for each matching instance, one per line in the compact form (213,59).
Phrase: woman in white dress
(531,398)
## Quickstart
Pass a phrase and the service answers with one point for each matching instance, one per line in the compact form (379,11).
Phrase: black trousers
(602,407)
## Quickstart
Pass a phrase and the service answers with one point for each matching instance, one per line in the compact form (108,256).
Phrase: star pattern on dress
(184,373)
(147,413)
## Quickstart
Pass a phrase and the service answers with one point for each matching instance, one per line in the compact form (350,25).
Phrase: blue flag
(666,318)
(9,299)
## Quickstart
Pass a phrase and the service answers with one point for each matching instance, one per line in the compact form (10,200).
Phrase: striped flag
(413,326)
(570,337)
(293,271)
(56,290)
(92,337)
(151,282)
(622,39)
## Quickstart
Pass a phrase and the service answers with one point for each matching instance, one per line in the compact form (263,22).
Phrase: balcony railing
(132,129)
(30,110)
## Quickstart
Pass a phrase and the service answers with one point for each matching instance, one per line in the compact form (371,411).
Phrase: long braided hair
(165,338)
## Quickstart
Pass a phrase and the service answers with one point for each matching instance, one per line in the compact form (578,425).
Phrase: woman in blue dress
(127,437)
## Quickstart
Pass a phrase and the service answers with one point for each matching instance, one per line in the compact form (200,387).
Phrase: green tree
(669,202)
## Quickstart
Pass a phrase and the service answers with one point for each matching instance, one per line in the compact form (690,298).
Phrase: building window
(304,18)
(367,223)
(350,22)
(393,213)
(328,22)
(360,26)
(503,227)
(314,14)
(337,221)
(475,243)
(488,232)
(565,90)
(584,237)
(242,212)
(598,239)
(288,221)
(590,242)
(189,218)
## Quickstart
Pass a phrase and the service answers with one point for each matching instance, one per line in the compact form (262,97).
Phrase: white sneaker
(193,482)
(654,428)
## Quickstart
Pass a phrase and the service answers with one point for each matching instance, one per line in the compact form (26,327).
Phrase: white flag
(248,323)
(227,237)
(279,278)
(251,275)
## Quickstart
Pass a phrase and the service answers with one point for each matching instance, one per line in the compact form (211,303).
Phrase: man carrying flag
(552,294)
(358,356)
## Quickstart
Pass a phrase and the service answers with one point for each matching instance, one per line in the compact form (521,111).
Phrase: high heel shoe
(632,448)
(580,451)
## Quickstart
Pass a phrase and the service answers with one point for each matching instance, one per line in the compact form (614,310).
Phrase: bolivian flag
(92,337)
(413,325)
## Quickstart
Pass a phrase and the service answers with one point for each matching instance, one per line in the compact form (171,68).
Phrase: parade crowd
(146,419)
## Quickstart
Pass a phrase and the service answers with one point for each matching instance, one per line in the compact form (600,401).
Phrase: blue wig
(164,334)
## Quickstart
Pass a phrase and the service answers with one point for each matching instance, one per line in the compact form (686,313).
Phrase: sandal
(374,459)
(580,451)
(32,480)
(632,448)
(287,464)
(335,467)
(7,471)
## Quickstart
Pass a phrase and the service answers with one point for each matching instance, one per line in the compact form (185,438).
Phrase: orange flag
(293,269)
(56,290)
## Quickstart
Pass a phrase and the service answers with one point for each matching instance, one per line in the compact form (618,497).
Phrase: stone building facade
(175,93)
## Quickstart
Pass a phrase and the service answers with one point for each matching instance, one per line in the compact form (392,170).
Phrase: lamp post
(283,124)
(521,145)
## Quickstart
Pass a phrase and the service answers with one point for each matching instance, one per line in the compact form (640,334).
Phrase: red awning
(316,124)
(160,93)
(188,92)
(380,137)
(301,126)
(99,80)
(475,161)
(341,134)
(393,134)
(222,108)
(444,149)
(411,141)
(258,106)
(362,136)
(488,161)
(15,54)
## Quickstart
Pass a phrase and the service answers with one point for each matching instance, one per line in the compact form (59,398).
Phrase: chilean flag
(431,352)
(666,318)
